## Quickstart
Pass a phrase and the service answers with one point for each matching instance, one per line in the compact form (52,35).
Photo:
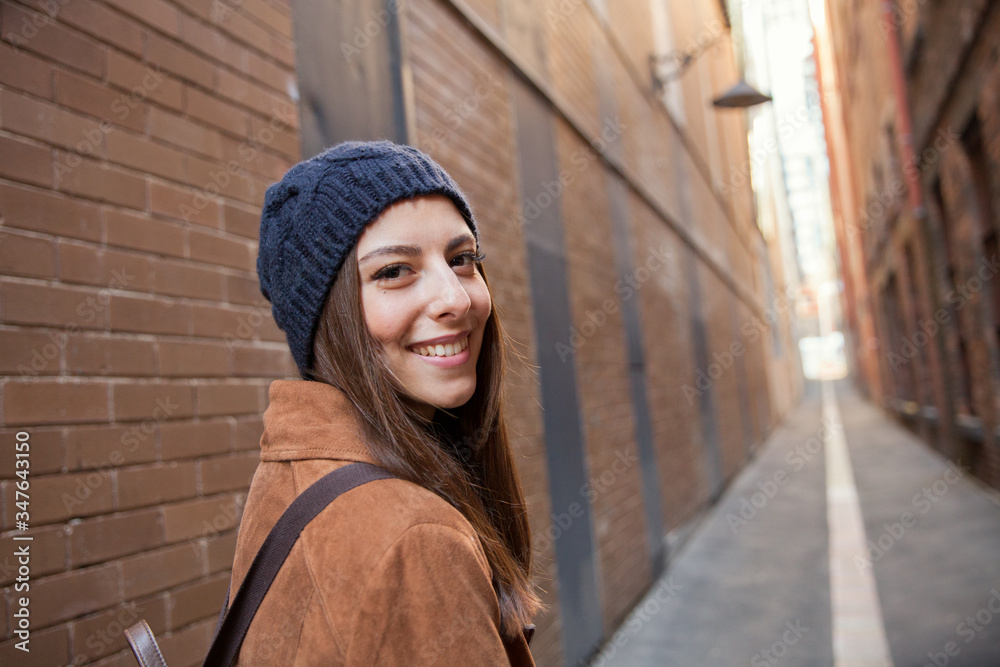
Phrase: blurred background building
(910,94)
(648,287)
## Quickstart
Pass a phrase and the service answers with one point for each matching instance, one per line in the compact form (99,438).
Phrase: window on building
(958,340)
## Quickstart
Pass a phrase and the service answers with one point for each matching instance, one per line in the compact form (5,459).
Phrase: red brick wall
(137,140)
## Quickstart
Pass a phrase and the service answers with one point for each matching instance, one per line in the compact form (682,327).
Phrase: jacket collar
(311,420)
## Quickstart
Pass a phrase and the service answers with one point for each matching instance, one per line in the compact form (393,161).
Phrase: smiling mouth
(447,350)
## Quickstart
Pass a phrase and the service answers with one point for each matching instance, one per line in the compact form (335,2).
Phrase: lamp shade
(741,96)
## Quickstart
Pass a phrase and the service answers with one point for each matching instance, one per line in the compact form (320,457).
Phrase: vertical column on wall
(706,399)
(739,352)
(349,69)
(624,254)
(564,447)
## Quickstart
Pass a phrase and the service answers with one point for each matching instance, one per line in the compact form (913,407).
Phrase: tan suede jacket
(388,574)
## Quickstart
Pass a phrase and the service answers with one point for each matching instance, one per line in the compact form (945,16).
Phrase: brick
(95,180)
(30,352)
(272,17)
(245,291)
(45,448)
(210,109)
(26,162)
(244,92)
(23,71)
(37,32)
(206,9)
(65,596)
(47,402)
(228,399)
(187,279)
(179,203)
(213,43)
(277,131)
(88,354)
(181,440)
(139,81)
(202,517)
(235,253)
(149,315)
(156,401)
(155,13)
(143,486)
(228,473)
(48,553)
(47,212)
(221,550)
(101,634)
(191,136)
(161,569)
(241,220)
(189,359)
(94,265)
(48,647)
(107,537)
(189,645)
(49,123)
(147,156)
(96,99)
(58,497)
(260,362)
(197,601)
(25,255)
(220,322)
(268,73)
(269,331)
(179,60)
(104,446)
(248,433)
(211,179)
(243,29)
(32,303)
(102,23)
(131,230)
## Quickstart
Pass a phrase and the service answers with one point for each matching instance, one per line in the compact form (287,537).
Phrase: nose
(447,297)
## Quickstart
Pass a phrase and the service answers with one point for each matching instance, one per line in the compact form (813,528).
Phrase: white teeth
(448,350)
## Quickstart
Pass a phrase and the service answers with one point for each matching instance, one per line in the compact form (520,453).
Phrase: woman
(369,255)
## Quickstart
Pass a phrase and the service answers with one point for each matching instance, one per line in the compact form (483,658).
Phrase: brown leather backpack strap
(144,646)
(279,542)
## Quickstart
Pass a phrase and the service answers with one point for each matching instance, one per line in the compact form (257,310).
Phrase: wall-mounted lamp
(740,96)
(667,67)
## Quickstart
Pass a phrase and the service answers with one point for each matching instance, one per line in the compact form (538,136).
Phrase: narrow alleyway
(753,585)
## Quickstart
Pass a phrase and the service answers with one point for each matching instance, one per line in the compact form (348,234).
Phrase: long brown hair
(465,456)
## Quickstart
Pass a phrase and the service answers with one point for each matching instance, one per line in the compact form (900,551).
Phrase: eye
(468,258)
(390,272)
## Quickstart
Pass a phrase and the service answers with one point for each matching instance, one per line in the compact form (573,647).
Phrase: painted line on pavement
(858,627)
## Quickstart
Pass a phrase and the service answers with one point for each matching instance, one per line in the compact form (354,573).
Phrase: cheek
(387,319)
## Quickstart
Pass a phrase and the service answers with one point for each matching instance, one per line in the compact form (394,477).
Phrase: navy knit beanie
(314,216)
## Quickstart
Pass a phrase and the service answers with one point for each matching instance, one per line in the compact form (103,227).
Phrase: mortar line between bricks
(858,628)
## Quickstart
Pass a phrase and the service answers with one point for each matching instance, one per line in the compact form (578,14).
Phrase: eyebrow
(414,250)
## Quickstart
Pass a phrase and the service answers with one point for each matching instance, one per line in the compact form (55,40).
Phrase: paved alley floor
(846,542)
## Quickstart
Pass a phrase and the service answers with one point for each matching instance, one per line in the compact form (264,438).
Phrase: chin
(449,400)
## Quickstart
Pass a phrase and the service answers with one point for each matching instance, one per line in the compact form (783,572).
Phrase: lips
(445,349)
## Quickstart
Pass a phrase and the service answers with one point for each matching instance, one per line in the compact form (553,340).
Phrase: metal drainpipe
(904,127)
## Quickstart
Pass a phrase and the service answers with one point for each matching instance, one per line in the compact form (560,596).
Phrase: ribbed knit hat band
(315,215)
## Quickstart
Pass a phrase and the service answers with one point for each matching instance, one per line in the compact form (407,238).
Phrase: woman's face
(424,300)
